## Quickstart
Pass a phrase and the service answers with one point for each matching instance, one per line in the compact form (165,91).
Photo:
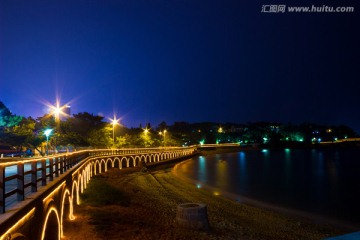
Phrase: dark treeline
(86,130)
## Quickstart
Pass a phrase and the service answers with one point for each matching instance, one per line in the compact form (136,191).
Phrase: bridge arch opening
(66,210)
(109,163)
(103,166)
(51,229)
(124,163)
(117,163)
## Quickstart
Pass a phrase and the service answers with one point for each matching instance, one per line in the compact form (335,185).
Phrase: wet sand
(150,212)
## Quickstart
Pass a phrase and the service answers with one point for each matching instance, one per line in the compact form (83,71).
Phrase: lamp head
(47,132)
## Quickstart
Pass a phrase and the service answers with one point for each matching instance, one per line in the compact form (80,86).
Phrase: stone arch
(152,157)
(75,192)
(66,209)
(132,161)
(97,167)
(124,163)
(93,168)
(157,157)
(143,157)
(117,163)
(111,165)
(83,179)
(81,184)
(103,166)
(51,225)
(88,169)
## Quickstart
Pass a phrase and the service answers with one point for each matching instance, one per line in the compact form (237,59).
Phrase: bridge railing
(20,177)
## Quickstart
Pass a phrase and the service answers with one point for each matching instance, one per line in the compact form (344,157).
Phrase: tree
(123,141)
(146,138)
(85,129)
(100,138)
(7,119)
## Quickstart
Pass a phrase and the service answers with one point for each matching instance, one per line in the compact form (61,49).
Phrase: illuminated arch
(103,163)
(132,161)
(148,158)
(152,157)
(116,159)
(126,162)
(51,226)
(75,187)
(65,194)
(84,178)
(107,163)
(97,167)
(80,182)
(93,168)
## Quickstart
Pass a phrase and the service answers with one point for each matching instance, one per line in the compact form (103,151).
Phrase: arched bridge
(38,194)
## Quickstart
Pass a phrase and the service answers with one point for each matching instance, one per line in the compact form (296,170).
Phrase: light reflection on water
(319,181)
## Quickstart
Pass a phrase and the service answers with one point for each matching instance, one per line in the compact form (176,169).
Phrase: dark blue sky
(188,60)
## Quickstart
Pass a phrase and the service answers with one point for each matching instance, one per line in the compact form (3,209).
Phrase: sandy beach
(143,205)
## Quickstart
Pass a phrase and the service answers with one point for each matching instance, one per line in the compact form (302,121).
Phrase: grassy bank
(128,204)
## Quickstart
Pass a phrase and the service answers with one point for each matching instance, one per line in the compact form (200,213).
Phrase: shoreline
(293,213)
(152,197)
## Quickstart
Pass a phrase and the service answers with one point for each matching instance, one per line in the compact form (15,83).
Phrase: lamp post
(164,134)
(114,122)
(47,133)
(57,111)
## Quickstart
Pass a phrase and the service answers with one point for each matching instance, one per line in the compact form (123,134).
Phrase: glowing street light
(164,134)
(114,122)
(146,131)
(58,110)
(47,133)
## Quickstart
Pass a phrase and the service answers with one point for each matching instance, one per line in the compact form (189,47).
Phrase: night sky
(181,60)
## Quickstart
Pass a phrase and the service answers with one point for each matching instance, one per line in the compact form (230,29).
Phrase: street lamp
(57,110)
(114,122)
(47,133)
(163,133)
(146,131)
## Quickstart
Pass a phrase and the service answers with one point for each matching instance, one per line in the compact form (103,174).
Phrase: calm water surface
(325,182)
